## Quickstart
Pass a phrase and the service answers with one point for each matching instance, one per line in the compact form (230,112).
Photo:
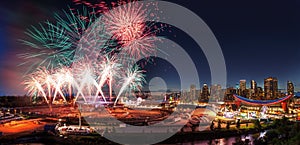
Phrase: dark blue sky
(258,38)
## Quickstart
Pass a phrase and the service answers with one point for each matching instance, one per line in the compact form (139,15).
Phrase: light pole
(79,116)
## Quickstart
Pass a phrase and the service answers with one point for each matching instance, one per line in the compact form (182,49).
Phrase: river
(226,141)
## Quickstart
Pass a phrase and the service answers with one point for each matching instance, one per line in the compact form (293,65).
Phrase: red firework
(126,22)
(141,47)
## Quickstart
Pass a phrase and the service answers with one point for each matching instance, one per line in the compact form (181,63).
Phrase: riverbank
(184,137)
(181,137)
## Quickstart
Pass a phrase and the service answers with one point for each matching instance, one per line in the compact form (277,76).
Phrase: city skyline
(258,40)
(149,72)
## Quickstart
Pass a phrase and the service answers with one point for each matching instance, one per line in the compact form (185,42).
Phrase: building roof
(261,102)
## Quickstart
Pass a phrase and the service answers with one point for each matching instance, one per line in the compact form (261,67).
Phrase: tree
(228,125)
(212,126)
(257,124)
(219,124)
(271,135)
(238,124)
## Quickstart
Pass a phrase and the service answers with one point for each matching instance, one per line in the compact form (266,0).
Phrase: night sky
(258,39)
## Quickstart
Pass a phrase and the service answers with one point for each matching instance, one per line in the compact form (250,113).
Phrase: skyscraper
(242,89)
(260,93)
(290,88)
(271,87)
(216,92)
(253,90)
(228,96)
(204,94)
(243,85)
(253,85)
(193,92)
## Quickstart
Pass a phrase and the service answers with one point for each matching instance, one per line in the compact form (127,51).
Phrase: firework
(127,22)
(85,79)
(33,83)
(54,44)
(128,25)
(133,81)
(58,83)
(50,46)
(69,80)
(44,76)
(109,69)
(97,52)
(139,48)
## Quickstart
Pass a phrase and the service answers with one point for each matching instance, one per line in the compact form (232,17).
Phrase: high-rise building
(228,95)
(242,89)
(290,88)
(260,93)
(185,96)
(243,85)
(204,93)
(253,90)
(193,93)
(271,88)
(253,85)
(216,92)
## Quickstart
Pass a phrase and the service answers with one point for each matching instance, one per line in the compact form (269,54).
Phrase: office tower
(243,85)
(290,88)
(242,89)
(216,92)
(228,95)
(193,92)
(253,85)
(253,91)
(205,93)
(260,94)
(271,88)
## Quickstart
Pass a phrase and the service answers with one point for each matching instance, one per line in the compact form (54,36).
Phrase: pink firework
(140,47)
(126,22)
(129,22)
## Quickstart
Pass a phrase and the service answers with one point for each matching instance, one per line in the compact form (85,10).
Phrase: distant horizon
(186,89)
(257,41)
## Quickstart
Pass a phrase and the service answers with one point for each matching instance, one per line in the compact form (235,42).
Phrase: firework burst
(133,80)
(139,48)
(85,78)
(54,44)
(128,24)
(78,55)
(34,84)
(59,81)
(109,68)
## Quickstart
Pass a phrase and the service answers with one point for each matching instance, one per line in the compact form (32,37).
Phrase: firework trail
(128,24)
(58,83)
(86,78)
(44,76)
(34,88)
(118,38)
(54,44)
(134,80)
(109,69)
(69,80)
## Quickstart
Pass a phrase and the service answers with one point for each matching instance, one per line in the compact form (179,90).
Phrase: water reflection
(247,139)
